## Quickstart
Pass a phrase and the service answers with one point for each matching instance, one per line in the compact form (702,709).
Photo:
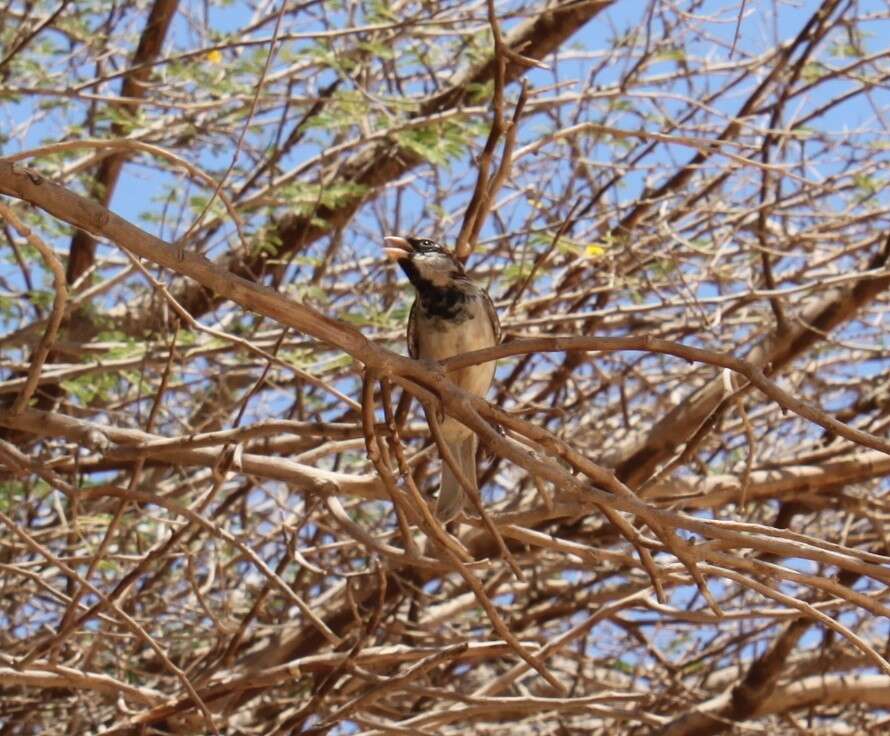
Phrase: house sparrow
(451,315)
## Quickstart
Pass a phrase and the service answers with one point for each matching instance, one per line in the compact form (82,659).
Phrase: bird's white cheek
(434,268)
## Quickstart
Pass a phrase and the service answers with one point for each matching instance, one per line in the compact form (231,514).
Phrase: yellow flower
(215,56)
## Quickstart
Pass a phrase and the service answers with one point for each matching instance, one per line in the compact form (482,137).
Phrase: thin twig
(486,189)
(42,351)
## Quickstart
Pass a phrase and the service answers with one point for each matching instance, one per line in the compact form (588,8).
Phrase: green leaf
(439,144)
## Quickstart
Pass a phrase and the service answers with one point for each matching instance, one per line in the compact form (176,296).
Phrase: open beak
(397,248)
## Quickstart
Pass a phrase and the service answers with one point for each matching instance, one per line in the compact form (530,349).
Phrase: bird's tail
(451,494)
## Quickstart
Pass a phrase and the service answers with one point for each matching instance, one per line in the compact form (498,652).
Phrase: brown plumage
(450,316)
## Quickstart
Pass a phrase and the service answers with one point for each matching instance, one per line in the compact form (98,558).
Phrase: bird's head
(423,261)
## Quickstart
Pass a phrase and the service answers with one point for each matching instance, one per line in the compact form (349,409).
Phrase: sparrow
(451,315)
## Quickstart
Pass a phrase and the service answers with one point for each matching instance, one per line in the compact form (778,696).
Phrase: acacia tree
(215,465)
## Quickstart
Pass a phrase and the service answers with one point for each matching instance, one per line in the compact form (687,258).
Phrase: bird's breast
(468,328)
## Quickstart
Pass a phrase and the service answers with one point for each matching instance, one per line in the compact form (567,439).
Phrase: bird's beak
(397,248)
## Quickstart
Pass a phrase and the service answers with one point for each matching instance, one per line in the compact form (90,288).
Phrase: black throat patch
(446,302)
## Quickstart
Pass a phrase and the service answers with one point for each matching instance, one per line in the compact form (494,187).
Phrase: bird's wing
(413,347)
(492,315)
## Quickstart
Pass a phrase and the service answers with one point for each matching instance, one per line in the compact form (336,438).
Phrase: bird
(451,315)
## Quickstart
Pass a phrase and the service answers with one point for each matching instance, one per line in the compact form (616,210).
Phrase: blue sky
(763,25)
